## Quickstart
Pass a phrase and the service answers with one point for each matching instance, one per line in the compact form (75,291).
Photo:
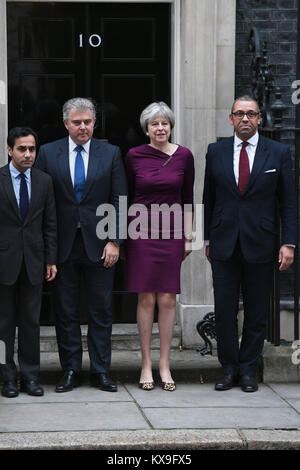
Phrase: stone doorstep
(278,365)
(186,366)
(124,337)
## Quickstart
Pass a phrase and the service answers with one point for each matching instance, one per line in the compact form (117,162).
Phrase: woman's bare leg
(166,319)
(145,316)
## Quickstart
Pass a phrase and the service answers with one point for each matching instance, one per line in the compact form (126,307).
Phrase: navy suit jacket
(252,216)
(33,241)
(105,182)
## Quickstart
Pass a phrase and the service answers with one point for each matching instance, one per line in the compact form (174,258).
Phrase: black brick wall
(277,22)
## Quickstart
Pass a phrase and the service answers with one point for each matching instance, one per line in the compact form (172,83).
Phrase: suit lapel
(34,194)
(260,158)
(94,166)
(64,166)
(8,187)
(227,159)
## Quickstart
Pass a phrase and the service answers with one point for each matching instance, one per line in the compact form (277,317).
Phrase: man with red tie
(248,184)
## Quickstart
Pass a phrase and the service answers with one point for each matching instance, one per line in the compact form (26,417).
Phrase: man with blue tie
(27,256)
(86,173)
(248,186)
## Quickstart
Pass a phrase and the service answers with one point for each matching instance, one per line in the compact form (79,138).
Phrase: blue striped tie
(79,176)
(24,200)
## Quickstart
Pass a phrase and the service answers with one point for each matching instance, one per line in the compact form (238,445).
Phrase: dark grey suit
(80,251)
(25,249)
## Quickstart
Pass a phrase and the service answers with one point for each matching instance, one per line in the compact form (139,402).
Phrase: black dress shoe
(248,383)
(10,389)
(103,382)
(226,383)
(68,381)
(31,387)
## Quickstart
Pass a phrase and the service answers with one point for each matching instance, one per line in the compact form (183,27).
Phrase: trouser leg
(67,318)
(226,281)
(21,304)
(29,308)
(98,284)
(256,287)
(8,331)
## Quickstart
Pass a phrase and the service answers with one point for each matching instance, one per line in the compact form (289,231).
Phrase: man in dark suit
(27,255)
(86,173)
(247,179)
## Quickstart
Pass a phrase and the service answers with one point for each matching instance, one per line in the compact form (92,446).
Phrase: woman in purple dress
(159,173)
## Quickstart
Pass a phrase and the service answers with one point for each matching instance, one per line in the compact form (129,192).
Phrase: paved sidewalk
(195,416)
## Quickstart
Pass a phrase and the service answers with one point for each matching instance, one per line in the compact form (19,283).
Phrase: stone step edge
(183,439)
(124,337)
(118,329)
(130,343)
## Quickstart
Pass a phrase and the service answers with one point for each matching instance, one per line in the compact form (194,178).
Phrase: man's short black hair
(17,132)
(245,98)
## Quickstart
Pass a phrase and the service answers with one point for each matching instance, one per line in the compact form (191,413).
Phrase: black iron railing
(281,298)
(272,108)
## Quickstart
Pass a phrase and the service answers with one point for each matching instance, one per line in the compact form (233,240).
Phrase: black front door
(116,54)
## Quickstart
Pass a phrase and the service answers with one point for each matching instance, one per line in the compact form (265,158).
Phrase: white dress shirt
(16,181)
(250,149)
(72,157)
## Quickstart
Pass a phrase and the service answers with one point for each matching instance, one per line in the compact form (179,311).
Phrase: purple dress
(154,259)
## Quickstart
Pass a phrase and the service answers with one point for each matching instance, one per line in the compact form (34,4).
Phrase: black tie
(24,200)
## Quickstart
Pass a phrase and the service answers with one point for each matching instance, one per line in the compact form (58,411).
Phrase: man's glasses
(249,114)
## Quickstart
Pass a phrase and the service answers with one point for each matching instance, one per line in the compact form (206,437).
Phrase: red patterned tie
(244,169)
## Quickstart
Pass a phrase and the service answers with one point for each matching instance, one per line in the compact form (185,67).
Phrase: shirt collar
(252,141)
(85,146)
(15,173)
